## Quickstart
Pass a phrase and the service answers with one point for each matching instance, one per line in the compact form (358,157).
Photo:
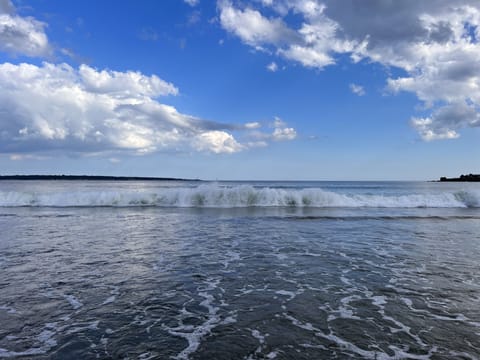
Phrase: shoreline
(462,178)
(91,178)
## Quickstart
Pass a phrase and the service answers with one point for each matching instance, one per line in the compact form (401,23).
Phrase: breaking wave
(216,196)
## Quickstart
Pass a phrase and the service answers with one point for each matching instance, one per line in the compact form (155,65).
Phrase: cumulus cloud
(281,132)
(56,107)
(85,110)
(273,67)
(217,142)
(22,35)
(124,84)
(436,44)
(442,124)
(357,89)
(252,27)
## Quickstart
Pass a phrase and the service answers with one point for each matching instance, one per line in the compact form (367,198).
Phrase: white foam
(216,196)
(272,355)
(73,301)
(401,354)
(231,257)
(291,295)
(257,335)
(261,347)
(109,300)
(345,311)
(456,317)
(366,354)
(146,356)
(78,327)
(113,295)
(379,301)
(407,301)
(311,346)
(46,337)
(346,281)
(46,340)
(195,334)
(465,355)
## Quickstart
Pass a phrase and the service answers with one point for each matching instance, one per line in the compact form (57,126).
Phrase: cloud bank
(435,43)
(85,110)
(56,107)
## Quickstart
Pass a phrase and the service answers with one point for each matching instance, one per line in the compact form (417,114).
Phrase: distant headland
(90,177)
(469,177)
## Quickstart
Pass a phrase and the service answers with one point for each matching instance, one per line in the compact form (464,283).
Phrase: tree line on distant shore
(469,177)
(89,177)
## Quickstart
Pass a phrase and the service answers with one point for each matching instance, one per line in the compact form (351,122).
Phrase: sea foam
(217,196)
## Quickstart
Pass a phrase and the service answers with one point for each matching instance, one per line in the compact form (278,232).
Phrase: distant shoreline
(463,178)
(90,177)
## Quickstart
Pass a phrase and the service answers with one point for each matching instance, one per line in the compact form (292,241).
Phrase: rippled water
(198,281)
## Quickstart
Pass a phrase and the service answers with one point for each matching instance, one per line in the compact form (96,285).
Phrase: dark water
(240,282)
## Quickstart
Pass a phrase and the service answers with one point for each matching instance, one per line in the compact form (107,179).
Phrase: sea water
(239,270)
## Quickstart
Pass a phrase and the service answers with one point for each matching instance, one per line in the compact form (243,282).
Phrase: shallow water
(199,281)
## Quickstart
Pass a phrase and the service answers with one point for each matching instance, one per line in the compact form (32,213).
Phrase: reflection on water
(240,283)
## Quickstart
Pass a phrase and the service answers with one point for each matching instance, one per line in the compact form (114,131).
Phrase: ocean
(239,270)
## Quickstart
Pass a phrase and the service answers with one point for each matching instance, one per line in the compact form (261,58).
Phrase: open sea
(239,270)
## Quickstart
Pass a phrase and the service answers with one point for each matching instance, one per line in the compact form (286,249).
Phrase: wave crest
(216,196)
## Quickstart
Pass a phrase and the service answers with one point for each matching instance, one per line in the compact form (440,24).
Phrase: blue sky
(287,89)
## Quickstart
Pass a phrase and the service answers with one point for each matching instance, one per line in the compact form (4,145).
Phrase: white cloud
(357,89)
(21,157)
(252,27)
(307,56)
(57,107)
(435,43)
(425,127)
(124,84)
(445,121)
(281,134)
(217,142)
(273,67)
(22,35)
(252,125)
(312,44)
(279,123)
(192,2)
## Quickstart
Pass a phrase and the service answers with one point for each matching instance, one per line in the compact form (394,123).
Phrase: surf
(237,196)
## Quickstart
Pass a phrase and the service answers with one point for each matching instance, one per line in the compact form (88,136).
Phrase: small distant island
(90,177)
(469,177)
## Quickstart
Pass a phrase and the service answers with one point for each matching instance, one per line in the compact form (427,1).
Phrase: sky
(241,90)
